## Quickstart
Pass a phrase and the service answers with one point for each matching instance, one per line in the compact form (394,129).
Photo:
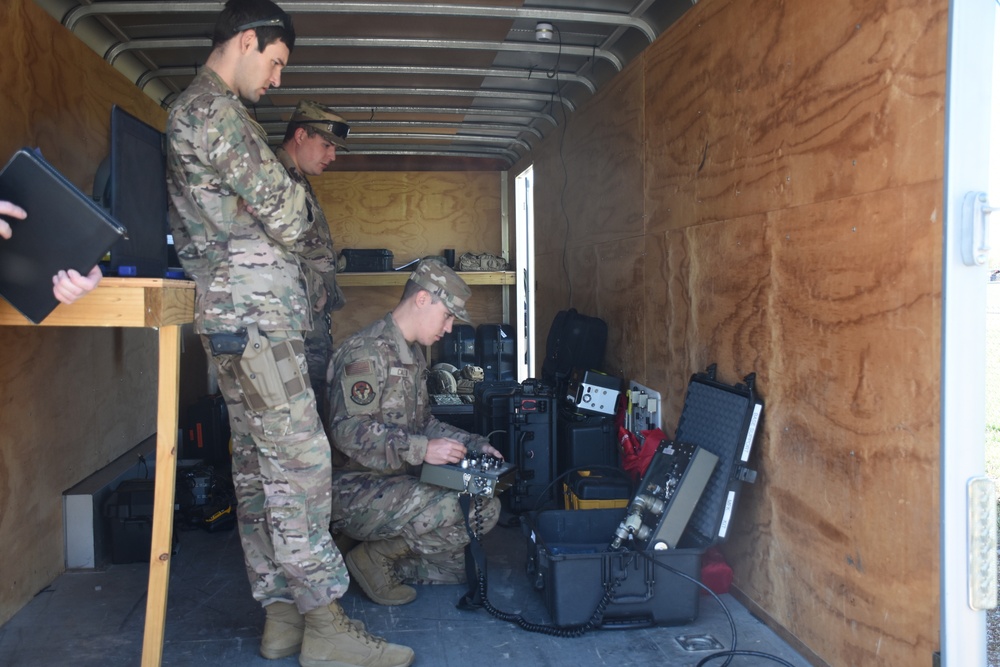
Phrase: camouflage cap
(438,279)
(322,119)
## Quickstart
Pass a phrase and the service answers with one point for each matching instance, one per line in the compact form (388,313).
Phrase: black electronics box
(585,440)
(367,260)
(129,511)
(570,564)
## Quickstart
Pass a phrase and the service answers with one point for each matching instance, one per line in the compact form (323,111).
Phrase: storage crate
(129,510)
(590,491)
(569,563)
(359,260)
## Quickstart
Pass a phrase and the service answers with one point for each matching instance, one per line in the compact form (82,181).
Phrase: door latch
(976,228)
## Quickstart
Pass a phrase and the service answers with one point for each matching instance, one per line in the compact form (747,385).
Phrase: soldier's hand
(444,450)
(492,451)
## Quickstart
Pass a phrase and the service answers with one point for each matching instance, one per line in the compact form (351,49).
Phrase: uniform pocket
(289,521)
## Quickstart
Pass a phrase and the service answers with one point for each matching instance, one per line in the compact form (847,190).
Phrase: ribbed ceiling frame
(476,111)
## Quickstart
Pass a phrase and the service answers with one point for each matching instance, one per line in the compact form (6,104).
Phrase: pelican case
(492,410)
(129,511)
(569,556)
(570,564)
(531,445)
(360,260)
(458,346)
(496,351)
(585,440)
(722,419)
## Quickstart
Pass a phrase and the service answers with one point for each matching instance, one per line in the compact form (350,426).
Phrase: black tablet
(65,229)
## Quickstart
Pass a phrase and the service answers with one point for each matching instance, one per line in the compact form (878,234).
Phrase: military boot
(371,565)
(331,640)
(283,630)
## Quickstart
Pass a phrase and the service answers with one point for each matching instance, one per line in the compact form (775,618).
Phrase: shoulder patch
(362,392)
(363,367)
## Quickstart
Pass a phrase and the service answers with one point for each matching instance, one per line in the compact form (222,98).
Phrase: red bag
(715,572)
(637,454)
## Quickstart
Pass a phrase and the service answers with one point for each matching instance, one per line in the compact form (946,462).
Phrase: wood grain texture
(413,214)
(792,203)
(594,174)
(70,400)
(814,103)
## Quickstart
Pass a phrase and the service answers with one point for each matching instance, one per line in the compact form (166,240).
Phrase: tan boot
(283,630)
(331,640)
(370,564)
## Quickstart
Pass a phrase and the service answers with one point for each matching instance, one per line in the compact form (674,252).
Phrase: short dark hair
(412,287)
(240,15)
(290,130)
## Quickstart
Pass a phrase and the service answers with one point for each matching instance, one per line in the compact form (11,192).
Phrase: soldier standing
(311,140)
(382,431)
(238,222)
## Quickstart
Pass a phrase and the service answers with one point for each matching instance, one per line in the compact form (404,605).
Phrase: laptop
(65,229)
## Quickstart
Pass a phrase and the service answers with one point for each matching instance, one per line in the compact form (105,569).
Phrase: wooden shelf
(398,278)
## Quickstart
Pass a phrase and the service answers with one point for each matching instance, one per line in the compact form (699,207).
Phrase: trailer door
(968,542)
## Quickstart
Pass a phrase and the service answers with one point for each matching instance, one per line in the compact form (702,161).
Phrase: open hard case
(575,557)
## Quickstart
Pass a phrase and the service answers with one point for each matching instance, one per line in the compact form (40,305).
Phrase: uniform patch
(362,393)
(363,367)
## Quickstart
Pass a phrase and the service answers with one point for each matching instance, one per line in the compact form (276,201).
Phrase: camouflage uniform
(246,269)
(381,424)
(320,265)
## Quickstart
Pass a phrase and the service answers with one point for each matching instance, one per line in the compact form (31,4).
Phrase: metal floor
(95,619)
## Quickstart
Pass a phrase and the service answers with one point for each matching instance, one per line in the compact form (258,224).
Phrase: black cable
(684,575)
(562,162)
(755,654)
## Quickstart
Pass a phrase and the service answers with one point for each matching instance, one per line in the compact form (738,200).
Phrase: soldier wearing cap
(382,431)
(311,140)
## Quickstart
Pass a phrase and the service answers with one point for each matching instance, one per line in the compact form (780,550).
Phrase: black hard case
(585,440)
(207,432)
(569,563)
(363,260)
(496,351)
(567,548)
(458,346)
(129,512)
(492,410)
(531,445)
(722,419)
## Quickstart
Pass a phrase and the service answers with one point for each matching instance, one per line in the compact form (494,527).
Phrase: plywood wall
(413,214)
(763,190)
(70,400)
